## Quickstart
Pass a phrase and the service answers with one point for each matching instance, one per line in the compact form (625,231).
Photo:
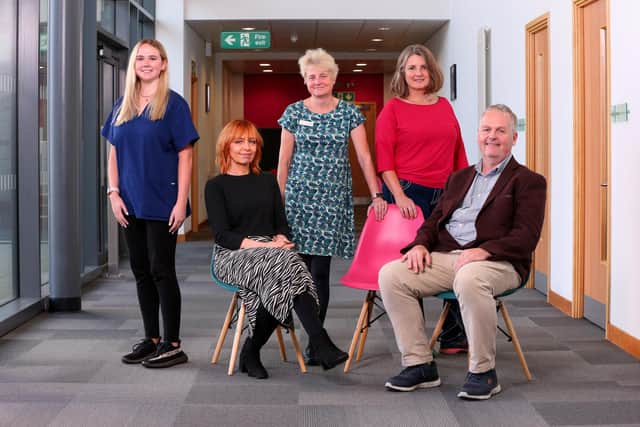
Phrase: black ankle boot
(326,351)
(310,357)
(250,361)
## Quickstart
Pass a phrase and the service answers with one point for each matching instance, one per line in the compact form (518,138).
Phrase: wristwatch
(376,196)
(112,190)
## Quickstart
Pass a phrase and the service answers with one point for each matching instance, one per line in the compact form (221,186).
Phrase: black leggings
(152,255)
(320,268)
(305,307)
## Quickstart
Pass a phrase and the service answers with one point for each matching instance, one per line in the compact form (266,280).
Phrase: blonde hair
(158,104)
(399,85)
(320,58)
(232,130)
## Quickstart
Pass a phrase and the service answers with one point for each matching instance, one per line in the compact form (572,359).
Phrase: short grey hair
(504,109)
(318,57)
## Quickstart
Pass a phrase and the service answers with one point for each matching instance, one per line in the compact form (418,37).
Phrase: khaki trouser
(474,284)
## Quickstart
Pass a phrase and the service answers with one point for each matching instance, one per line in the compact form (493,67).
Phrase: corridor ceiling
(349,41)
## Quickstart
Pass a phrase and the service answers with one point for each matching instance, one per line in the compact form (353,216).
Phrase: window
(8,149)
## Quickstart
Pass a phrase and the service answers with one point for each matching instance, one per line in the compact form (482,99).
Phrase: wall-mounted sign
(245,39)
(345,96)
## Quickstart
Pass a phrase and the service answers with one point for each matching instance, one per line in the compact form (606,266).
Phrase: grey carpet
(64,369)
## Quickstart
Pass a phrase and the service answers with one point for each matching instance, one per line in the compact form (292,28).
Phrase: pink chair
(380,242)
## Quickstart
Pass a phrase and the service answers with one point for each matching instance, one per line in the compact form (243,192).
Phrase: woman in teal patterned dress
(314,173)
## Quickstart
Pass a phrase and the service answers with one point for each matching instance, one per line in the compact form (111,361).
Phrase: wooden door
(538,157)
(593,144)
(360,190)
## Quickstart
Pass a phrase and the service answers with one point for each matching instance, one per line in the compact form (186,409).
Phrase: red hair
(229,133)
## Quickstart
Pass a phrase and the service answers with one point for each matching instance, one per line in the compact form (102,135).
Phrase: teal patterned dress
(318,195)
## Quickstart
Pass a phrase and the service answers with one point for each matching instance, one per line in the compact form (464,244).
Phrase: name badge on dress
(303,122)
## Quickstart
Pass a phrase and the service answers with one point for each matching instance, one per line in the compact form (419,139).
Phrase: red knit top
(421,143)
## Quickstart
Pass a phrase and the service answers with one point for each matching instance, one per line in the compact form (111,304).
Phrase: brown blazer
(508,225)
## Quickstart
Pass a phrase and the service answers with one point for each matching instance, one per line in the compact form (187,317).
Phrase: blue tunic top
(147,154)
(318,195)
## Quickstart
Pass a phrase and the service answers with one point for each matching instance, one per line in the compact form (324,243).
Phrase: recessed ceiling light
(248,28)
(361,64)
(357,70)
(384,28)
(265,65)
(377,39)
(267,70)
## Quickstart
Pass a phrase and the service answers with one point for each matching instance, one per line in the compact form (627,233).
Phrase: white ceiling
(348,40)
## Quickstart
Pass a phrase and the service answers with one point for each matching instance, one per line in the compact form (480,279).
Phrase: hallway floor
(64,369)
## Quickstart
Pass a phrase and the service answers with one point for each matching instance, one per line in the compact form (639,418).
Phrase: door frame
(577,306)
(195,187)
(370,127)
(531,29)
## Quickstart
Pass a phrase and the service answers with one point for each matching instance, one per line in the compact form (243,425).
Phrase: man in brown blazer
(477,242)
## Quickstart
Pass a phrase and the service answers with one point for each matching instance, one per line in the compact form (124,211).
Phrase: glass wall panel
(44,146)
(107,15)
(8,148)
(150,6)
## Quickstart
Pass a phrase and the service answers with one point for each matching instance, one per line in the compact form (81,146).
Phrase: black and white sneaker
(166,356)
(413,377)
(140,351)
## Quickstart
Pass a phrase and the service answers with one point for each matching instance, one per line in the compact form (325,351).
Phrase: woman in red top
(418,145)
(418,139)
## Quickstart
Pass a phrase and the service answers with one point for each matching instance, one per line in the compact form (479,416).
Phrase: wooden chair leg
(225,329)
(296,346)
(365,332)
(236,340)
(514,339)
(438,328)
(283,352)
(357,332)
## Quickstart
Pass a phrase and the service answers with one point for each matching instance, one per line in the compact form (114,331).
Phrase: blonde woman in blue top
(149,170)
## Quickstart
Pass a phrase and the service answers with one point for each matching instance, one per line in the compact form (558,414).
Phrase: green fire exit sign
(245,39)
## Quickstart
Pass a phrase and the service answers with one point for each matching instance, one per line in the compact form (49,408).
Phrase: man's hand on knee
(470,255)
(417,259)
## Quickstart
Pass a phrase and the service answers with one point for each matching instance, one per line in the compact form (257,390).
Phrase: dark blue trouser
(425,198)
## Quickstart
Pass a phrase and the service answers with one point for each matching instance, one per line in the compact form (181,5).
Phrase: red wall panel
(267,95)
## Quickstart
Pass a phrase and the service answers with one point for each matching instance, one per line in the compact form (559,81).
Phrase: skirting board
(562,304)
(623,340)
(183,237)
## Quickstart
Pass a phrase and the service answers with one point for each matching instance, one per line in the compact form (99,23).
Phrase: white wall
(625,172)
(170,31)
(184,45)
(194,50)
(456,43)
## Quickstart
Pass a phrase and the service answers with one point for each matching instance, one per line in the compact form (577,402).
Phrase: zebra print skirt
(271,277)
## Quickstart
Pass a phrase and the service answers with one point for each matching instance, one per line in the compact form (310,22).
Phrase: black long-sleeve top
(242,206)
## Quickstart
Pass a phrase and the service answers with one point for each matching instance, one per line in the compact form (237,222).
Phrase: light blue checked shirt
(462,225)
